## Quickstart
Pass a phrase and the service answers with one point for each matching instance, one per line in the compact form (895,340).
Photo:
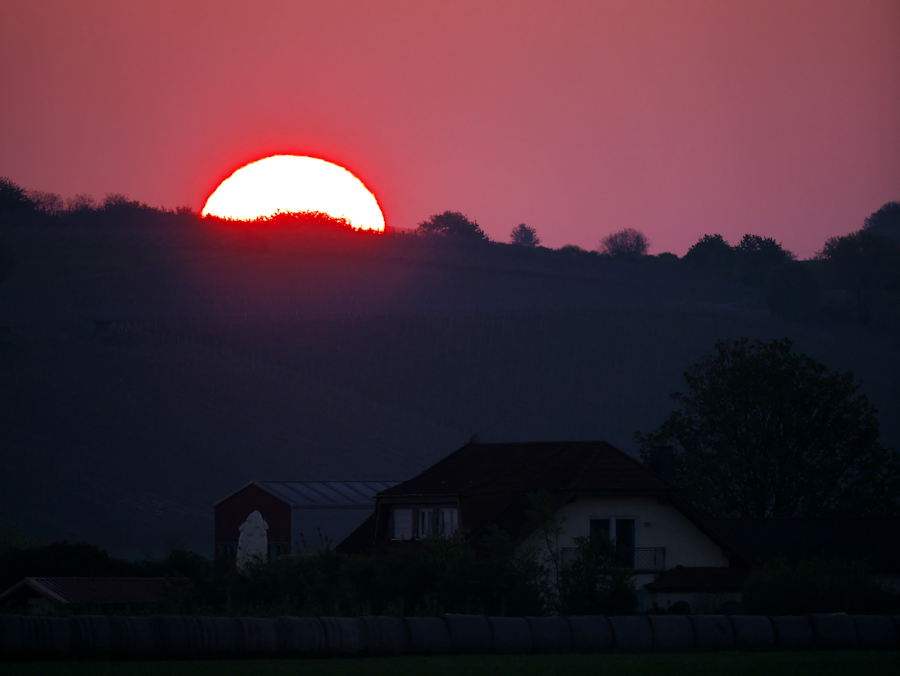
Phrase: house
(302,516)
(50,595)
(595,489)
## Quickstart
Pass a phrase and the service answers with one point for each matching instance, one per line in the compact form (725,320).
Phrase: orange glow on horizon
(291,184)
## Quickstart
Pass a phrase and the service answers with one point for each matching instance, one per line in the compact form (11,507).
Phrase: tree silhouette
(767,432)
(452,224)
(886,220)
(627,243)
(522,235)
(867,264)
(710,253)
(12,197)
(47,202)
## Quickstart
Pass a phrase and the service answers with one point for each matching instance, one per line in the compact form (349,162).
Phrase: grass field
(712,664)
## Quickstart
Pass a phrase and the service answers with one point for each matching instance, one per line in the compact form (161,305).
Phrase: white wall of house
(657,524)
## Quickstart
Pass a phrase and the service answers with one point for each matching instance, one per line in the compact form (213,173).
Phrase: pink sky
(679,118)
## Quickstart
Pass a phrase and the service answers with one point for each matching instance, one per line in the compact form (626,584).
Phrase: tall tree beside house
(763,431)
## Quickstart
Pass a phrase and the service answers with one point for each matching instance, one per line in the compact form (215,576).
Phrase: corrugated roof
(327,494)
(95,590)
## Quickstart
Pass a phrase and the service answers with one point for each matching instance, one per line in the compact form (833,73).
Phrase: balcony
(637,559)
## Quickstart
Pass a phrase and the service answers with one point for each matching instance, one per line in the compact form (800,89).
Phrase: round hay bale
(300,635)
(591,634)
(510,635)
(875,632)
(51,635)
(16,635)
(93,634)
(834,631)
(632,634)
(550,634)
(427,635)
(385,635)
(132,635)
(469,634)
(219,636)
(259,635)
(793,632)
(753,632)
(712,632)
(672,633)
(179,635)
(343,635)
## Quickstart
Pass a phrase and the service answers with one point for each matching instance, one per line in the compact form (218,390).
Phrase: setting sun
(293,183)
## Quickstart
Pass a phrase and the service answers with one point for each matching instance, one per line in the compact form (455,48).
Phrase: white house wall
(658,524)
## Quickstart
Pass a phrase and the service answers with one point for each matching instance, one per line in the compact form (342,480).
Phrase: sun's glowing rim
(295,183)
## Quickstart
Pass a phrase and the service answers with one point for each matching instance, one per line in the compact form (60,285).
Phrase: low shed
(303,516)
(47,595)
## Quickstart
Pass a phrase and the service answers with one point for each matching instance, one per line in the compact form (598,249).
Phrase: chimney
(660,461)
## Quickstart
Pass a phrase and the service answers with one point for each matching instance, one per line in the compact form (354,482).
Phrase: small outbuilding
(302,516)
(51,595)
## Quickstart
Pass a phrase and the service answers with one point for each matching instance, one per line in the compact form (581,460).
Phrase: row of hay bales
(175,636)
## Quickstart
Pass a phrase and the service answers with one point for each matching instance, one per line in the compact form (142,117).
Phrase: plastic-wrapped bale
(16,635)
(510,635)
(875,632)
(834,631)
(179,635)
(793,632)
(753,632)
(427,635)
(591,634)
(300,635)
(219,636)
(550,634)
(259,635)
(343,635)
(93,634)
(672,633)
(50,635)
(132,636)
(385,635)
(632,634)
(469,634)
(712,632)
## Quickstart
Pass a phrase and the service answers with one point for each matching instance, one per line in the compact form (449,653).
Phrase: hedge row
(178,636)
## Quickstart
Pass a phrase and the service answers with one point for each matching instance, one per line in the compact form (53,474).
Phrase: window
(620,531)
(449,521)
(426,521)
(403,524)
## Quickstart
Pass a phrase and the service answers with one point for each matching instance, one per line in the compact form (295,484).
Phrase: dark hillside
(329,355)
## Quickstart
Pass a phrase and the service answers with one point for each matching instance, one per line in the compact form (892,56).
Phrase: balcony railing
(638,559)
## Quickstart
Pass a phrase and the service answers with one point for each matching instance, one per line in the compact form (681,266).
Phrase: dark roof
(699,579)
(875,540)
(93,590)
(492,483)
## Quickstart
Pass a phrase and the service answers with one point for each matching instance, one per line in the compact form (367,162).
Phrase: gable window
(426,522)
(403,524)
(621,531)
(448,521)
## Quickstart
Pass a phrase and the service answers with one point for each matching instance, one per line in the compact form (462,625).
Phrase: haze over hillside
(146,372)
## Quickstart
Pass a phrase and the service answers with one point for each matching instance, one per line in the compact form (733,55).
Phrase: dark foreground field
(734,664)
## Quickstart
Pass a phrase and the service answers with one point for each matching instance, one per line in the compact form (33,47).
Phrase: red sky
(677,117)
